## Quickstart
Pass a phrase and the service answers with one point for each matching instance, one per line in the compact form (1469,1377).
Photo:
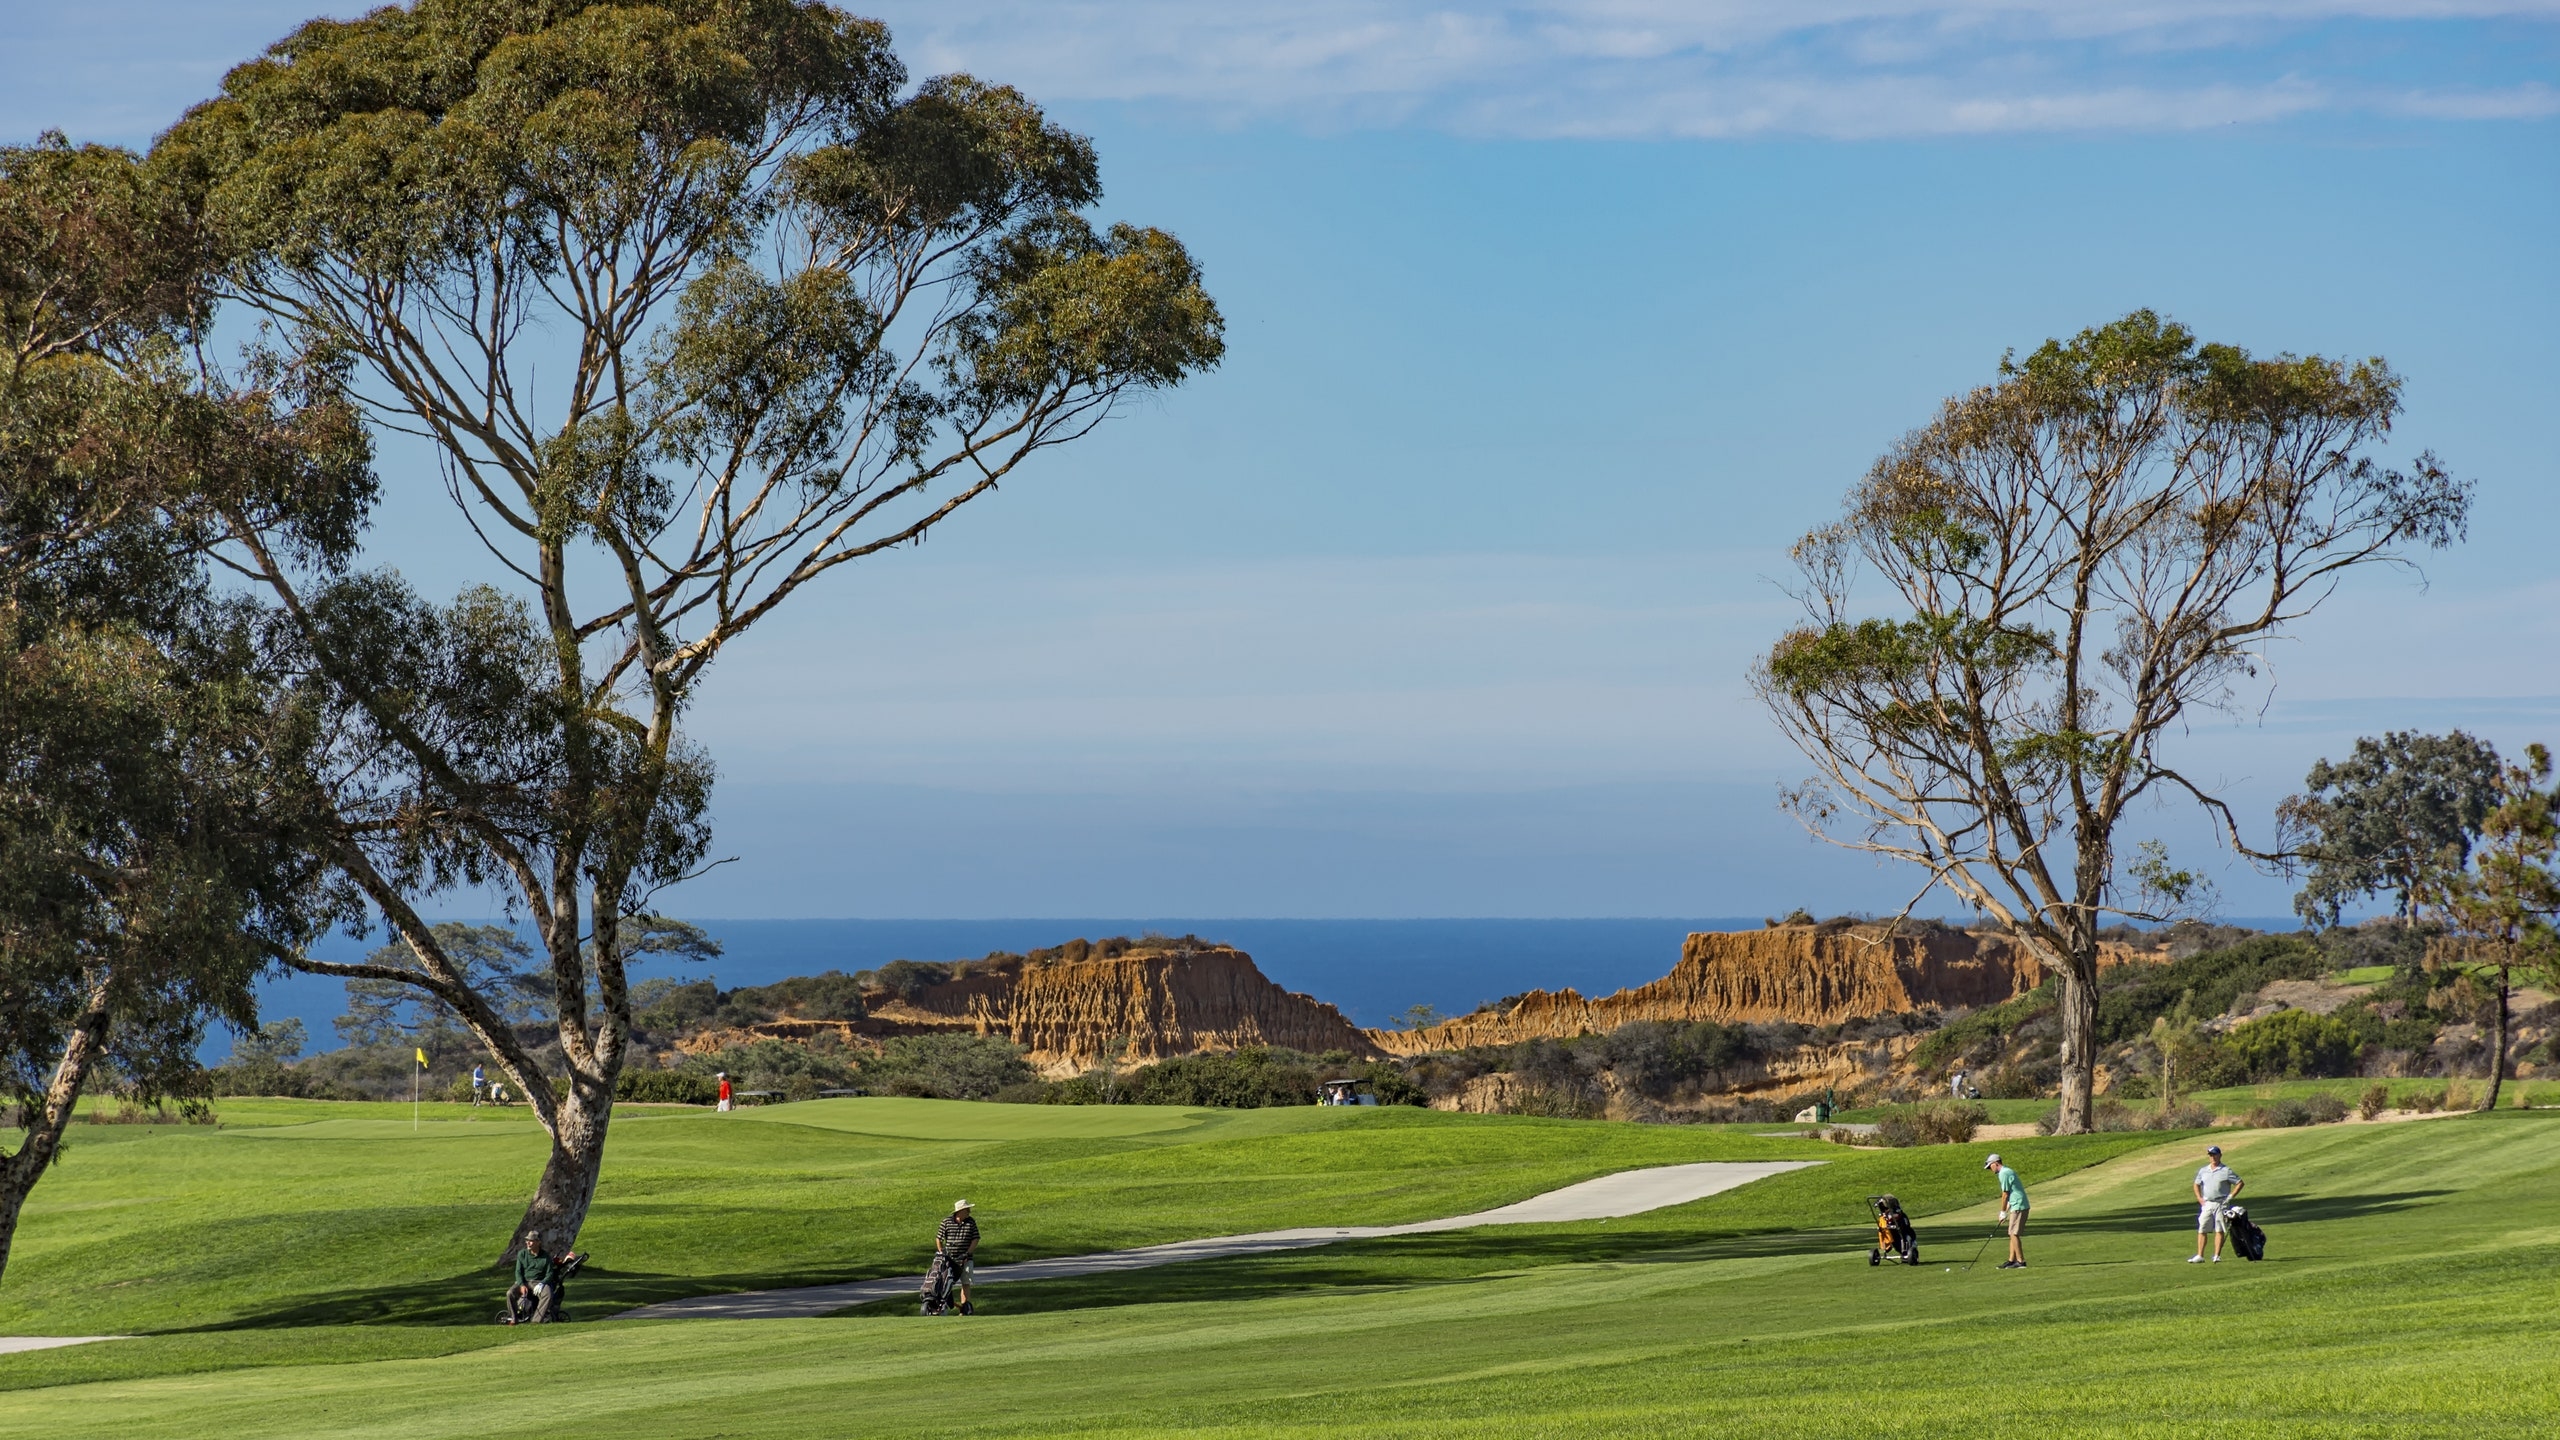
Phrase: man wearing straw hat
(957,1241)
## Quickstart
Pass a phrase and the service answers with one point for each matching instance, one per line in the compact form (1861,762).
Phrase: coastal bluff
(1068,1010)
(1808,974)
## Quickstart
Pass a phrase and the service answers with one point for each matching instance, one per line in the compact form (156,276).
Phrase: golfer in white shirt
(2216,1186)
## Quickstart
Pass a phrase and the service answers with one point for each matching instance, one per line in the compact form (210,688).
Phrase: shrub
(906,979)
(1248,1079)
(664,1087)
(1843,1137)
(2216,978)
(2279,1115)
(2426,1101)
(946,1067)
(1899,1129)
(2325,1109)
(828,995)
(2377,1098)
(2457,1096)
(2293,1043)
(1951,1122)
(2190,1116)
(1658,1058)
(1983,1030)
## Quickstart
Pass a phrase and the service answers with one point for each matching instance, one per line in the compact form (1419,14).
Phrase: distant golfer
(1955,1086)
(957,1241)
(2013,1204)
(479,1085)
(2216,1186)
(724,1092)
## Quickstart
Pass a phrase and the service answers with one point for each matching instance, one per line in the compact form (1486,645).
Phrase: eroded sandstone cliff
(1808,974)
(1068,1013)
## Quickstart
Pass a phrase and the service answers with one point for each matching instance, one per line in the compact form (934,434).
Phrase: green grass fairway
(2410,1267)
(299,1213)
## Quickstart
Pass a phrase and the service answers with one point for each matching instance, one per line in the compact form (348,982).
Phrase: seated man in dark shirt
(957,1241)
(535,1274)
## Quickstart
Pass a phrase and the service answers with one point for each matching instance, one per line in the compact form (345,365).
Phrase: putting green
(908,1119)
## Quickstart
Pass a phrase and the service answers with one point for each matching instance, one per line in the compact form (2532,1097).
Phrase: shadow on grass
(2266,1210)
(1446,1258)
(1452,1258)
(475,1298)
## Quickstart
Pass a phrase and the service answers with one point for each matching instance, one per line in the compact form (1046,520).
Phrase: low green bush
(2279,1115)
(2326,1109)
(1247,1079)
(665,1087)
(946,1067)
(2294,1043)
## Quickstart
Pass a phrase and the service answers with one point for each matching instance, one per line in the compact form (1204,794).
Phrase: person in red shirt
(724,1092)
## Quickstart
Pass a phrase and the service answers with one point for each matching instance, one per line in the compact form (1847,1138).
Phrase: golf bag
(1895,1239)
(2245,1235)
(940,1279)
(550,1303)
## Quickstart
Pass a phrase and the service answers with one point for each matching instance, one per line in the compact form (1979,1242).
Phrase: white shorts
(2209,1219)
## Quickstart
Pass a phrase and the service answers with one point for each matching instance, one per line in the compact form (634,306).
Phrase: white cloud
(1841,68)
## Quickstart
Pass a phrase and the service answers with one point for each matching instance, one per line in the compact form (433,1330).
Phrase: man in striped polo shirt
(957,1241)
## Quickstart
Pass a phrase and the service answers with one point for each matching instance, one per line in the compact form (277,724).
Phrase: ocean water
(1372,969)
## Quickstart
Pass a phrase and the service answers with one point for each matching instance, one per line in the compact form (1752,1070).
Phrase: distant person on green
(2013,1204)
(534,1276)
(2216,1186)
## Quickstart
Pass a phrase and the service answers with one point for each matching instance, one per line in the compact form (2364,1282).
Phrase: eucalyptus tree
(154,829)
(2500,900)
(693,302)
(2387,817)
(2074,561)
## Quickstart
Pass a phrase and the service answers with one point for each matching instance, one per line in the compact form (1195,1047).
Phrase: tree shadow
(2265,1210)
(475,1297)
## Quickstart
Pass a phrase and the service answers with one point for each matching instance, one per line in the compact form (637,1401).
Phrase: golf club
(1995,1233)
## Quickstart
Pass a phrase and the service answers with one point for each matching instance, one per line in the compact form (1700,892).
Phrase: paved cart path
(19,1344)
(1629,1192)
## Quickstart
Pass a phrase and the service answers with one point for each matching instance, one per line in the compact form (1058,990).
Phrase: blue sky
(1551,326)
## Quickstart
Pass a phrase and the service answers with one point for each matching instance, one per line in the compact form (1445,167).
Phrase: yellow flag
(422,1058)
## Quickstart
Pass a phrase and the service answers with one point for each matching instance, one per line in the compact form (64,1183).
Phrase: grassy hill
(2409,1265)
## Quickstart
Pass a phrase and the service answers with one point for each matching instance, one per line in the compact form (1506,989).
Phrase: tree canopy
(2074,559)
(2386,818)
(694,302)
(154,825)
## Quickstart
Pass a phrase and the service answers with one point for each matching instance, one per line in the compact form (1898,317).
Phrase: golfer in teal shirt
(2013,1203)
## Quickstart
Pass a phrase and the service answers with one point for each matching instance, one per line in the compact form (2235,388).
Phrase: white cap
(1991,1164)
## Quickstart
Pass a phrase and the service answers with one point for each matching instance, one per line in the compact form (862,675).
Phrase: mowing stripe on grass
(1630,1192)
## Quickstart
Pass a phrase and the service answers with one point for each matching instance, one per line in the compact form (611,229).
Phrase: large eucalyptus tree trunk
(20,1172)
(559,1207)
(2079,1018)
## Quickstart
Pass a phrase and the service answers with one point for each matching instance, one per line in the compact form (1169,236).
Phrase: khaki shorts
(2017,1221)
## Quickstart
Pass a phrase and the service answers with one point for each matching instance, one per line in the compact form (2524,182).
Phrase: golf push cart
(550,1303)
(1895,1239)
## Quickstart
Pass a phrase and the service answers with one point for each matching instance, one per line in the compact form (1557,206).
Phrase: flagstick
(413,1100)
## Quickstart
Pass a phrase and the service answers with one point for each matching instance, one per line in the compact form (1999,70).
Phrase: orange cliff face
(1068,1014)
(1811,975)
